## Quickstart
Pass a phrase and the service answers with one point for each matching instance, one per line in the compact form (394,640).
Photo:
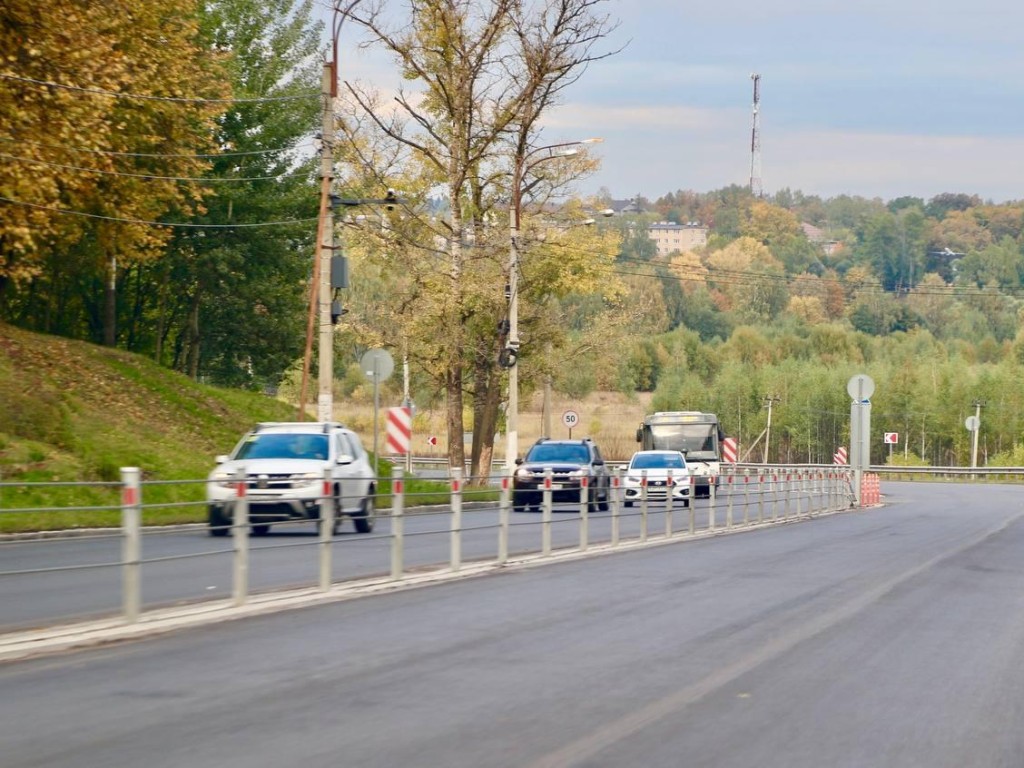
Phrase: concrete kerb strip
(75,636)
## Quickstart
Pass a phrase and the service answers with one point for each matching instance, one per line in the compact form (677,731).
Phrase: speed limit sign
(570,419)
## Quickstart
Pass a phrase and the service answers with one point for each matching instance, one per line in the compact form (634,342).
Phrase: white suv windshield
(284,446)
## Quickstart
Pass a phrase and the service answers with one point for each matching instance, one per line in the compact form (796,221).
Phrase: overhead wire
(112,153)
(154,177)
(181,225)
(149,97)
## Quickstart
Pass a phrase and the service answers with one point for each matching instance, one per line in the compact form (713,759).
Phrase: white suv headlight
(306,478)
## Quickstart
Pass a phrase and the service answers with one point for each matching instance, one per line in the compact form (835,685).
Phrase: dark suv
(569,461)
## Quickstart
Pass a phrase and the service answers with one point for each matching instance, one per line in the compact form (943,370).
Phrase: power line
(149,175)
(186,225)
(144,97)
(113,153)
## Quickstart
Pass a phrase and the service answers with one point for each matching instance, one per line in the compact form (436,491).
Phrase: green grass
(77,413)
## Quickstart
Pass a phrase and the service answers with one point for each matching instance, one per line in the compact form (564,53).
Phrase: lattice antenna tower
(755,140)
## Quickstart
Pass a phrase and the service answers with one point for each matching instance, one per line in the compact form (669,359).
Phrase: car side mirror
(345,458)
(598,462)
(519,460)
(221,459)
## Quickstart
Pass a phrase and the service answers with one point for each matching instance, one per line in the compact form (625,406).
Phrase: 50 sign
(571,419)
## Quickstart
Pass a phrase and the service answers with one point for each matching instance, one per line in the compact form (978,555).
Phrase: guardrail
(462,531)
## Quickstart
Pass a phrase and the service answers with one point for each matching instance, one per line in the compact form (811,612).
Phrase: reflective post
(616,502)
(504,502)
(728,508)
(456,520)
(711,503)
(545,534)
(746,496)
(240,536)
(584,511)
(327,513)
(397,523)
(131,542)
(669,489)
(693,505)
(643,505)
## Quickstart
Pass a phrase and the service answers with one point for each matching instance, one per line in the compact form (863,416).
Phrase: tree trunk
(193,337)
(110,306)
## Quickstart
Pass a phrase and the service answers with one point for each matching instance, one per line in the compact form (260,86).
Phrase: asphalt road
(890,637)
(186,565)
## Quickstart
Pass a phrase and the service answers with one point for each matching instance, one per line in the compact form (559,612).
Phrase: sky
(875,98)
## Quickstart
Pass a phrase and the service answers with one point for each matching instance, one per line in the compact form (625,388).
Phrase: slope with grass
(73,412)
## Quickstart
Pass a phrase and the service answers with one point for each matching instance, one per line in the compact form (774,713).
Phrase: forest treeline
(159,193)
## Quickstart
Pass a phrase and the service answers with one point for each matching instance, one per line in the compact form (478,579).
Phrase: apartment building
(677,238)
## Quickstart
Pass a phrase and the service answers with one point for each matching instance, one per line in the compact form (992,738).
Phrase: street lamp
(522,165)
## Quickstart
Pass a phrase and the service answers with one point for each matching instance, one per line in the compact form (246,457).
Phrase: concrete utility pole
(320,290)
(769,400)
(974,433)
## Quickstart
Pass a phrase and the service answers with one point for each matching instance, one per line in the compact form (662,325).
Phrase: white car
(284,465)
(656,466)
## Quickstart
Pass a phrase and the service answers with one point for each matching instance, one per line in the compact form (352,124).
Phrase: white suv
(284,465)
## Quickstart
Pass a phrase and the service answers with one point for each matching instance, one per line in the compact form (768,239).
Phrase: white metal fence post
(131,542)
(693,505)
(746,496)
(585,512)
(643,505)
(504,502)
(240,539)
(670,487)
(712,497)
(327,513)
(728,507)
(397,523)
(616,503)
(760,495)
(545,533)
(456,525)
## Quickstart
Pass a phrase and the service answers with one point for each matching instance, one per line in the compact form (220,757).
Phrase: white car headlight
(632,480)
(523,473)
(222,478)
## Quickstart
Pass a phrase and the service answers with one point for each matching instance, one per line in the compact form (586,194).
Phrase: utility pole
(769,400)
(974,433)
(320,289)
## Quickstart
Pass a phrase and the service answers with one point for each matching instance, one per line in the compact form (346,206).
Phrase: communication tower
(755,140)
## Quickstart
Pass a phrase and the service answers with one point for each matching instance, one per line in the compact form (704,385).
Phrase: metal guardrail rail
(748,497)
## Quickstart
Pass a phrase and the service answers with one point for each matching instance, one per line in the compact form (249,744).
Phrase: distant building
(818,237)
(677,238)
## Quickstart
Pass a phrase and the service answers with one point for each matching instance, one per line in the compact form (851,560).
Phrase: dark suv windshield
(573,454)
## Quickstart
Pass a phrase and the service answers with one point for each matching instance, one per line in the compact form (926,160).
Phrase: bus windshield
(695,440)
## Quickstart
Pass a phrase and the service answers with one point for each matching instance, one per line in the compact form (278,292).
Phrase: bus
(698,435)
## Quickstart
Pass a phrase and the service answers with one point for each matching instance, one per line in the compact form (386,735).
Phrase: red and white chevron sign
(399,430)
(840,456)
(729,450)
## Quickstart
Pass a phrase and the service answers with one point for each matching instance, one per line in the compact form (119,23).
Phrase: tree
(109,132)
(488,72)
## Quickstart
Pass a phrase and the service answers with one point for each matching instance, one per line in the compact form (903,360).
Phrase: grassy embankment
(72,412)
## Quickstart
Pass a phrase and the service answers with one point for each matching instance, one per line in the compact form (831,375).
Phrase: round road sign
(972,423)
(570,419)
(860,387)
(377,364)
